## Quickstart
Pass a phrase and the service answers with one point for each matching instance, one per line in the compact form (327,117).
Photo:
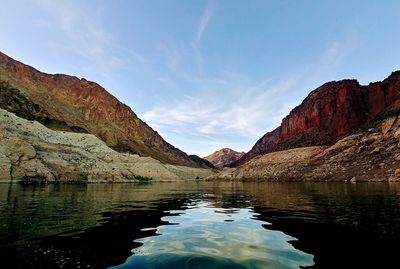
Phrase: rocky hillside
(328,114)
(201,160)
(223,157)
(371,154)
(31,151)
(64,102)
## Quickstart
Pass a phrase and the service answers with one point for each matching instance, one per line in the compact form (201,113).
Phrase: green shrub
(142,178)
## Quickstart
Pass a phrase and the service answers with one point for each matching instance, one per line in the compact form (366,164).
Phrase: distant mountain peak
(224,157)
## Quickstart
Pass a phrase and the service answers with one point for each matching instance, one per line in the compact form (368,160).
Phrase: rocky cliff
(370,154)
(30,151)
(68,103)
(224,157)
(328,114)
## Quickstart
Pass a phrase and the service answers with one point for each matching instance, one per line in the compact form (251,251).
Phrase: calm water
(200,225)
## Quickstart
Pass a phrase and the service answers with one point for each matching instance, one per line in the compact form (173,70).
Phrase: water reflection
(221,224)
(205,236)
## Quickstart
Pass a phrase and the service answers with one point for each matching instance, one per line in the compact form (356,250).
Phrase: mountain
(328,114)
(67,103)
(30,151)
(224,157)
(370,154)
(201,160)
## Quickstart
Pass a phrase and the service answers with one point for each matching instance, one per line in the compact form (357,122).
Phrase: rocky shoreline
(370,155)
(30,151)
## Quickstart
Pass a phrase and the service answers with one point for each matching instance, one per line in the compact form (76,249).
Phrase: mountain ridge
(329,113)
(85,105)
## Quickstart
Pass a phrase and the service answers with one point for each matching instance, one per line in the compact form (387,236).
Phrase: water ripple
(206,236)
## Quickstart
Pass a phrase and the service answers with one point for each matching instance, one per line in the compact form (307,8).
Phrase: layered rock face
(30,151)
(69,103)
(224,157)
(372,154)
(329,113)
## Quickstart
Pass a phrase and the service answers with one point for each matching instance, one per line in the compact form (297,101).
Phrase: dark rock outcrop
(13,101)
(198,159)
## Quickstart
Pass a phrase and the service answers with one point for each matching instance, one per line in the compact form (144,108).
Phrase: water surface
(200,225)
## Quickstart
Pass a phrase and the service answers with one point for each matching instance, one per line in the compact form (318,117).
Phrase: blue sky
(206,74)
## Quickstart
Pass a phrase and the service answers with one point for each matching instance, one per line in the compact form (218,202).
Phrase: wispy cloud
(84,33)
(177,115)
(205,19)
(225,108)
(338,50)
(201,28)
(172,56)
(189,52)
(80,28)
(235,107)
(248,113)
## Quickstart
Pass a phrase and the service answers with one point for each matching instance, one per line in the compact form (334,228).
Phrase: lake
(200,225)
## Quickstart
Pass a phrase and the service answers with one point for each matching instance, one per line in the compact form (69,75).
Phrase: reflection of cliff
(96,224)
(316,197)
(342,225)
(93,226)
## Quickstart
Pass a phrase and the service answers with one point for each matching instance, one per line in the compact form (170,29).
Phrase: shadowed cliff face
(12,101)
(328,114)
(83,105)
(201,160)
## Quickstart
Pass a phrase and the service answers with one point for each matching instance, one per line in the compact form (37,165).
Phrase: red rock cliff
(329,113)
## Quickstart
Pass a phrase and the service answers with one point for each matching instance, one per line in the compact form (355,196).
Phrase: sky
(206,74)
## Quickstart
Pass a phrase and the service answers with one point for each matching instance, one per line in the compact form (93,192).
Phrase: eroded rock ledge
(30,151)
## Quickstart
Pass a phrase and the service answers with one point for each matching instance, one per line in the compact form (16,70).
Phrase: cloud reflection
(202,236)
